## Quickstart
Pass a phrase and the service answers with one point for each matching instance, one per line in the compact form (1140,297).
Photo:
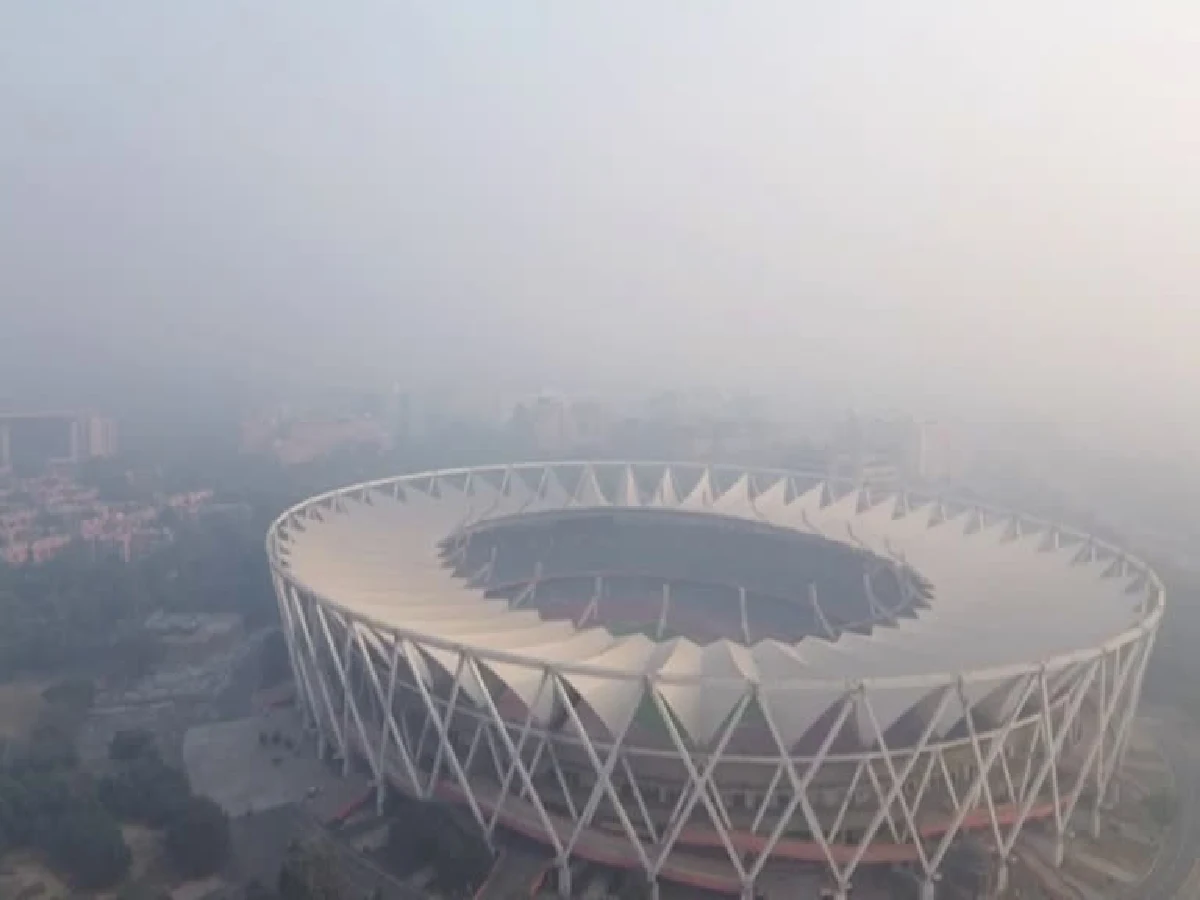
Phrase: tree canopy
(256,890)
(48,804)
(198,843)
(86,845)
(76,609)
(274,664)
(143,890)
(131,743)
(424,834)
(145,790)
(309,872)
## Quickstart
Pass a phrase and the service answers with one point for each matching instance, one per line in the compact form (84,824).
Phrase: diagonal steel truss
(1054,752)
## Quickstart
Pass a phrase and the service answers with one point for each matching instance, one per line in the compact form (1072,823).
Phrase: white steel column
(348,696)
(514,751)
(603,786)
(307,700)
(971,798)
(898,779)
(318,672)
(698,783)
(1053,746)
(1122,698)
(799,798)
(389,726)
(443,731)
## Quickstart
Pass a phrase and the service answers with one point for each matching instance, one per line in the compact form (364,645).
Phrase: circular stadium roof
(1008,593)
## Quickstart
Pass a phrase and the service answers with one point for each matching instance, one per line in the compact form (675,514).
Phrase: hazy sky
(926,203)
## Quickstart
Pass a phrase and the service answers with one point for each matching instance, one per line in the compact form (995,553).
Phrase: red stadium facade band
(820,672)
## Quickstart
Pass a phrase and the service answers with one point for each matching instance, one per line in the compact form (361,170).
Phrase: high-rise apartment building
(939,452)
(34,439)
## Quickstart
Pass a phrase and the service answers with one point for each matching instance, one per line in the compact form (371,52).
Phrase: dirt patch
(146,847)
(23,876)
(21,704)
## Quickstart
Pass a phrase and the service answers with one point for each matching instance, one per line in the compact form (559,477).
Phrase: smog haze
(946,205)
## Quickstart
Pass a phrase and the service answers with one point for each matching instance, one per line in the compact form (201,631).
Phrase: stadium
(721,677)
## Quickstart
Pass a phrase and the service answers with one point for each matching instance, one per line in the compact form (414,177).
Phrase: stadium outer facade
(1001,695)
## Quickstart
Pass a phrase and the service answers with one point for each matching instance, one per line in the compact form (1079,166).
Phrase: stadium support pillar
(928,890)
(1001,879)
(1060,852)
(1096,821)
(564,879)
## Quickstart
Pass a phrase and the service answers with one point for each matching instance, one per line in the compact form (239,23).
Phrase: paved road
(1180,852)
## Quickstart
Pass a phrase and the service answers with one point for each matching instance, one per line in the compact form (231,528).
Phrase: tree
(633,886)
(145,790)
(18,811)
(88,847)
(50,748)
(422,834)
(72,693)
(198,840)
(131,743)
(274,664)
(142,890)
(134,655)
(1162,807)
(256,890)
(309,872)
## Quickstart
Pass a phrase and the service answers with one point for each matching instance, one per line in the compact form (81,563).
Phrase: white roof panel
(700,496)
(736,500)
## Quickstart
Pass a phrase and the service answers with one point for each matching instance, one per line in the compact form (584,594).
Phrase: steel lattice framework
(1008,699)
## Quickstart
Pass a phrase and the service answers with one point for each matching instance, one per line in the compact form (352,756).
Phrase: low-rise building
(41,515)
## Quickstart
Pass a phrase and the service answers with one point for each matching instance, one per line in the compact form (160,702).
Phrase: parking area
(259,763)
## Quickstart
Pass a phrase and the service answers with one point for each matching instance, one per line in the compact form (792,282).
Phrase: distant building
(190,501)
(35,551)
(294,440)
(258,432)
(555,424)
(881,450)
(406,415)
(101,437)
(552,424)
(873,471)
(591,422)
(939,452)
(34,440)
(310,440)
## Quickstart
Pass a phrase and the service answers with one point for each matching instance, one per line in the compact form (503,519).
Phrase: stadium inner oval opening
(671,573)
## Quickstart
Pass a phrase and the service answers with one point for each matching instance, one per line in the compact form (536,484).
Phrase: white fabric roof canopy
(998,600)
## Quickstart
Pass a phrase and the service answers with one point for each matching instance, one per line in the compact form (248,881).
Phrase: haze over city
(625,451)
(925,204)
